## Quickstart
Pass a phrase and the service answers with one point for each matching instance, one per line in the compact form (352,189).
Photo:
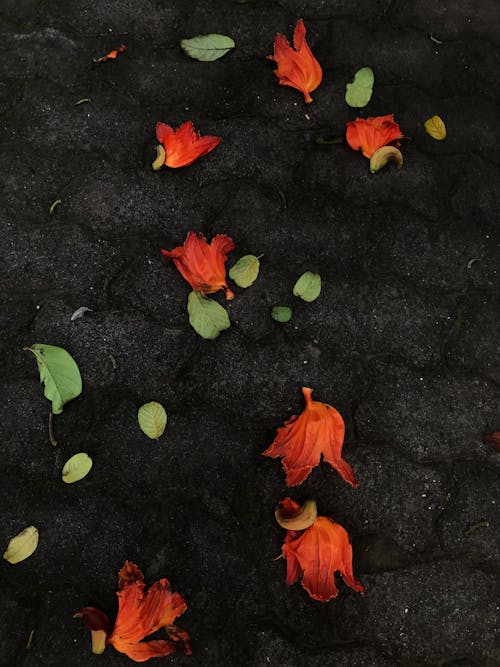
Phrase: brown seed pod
(301,520)
(384,155)
(160,158)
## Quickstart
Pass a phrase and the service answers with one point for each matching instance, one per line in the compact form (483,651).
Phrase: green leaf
(245,271)
(207,47)
(308,286)
(22,545)
(281,313)
(359,92)
(59,373)
(152,419)
(207,317)
(76,468)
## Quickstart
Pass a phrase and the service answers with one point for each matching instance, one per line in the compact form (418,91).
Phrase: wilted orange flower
(184,145)
(203,264)
(317,553)
(297,67)
(318,430)
(370,134)
(140,613)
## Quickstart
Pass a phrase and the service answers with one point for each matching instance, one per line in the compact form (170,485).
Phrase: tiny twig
(113,361)
(53,440)
(283,198)
(436,41)
(481,524)
(30,639)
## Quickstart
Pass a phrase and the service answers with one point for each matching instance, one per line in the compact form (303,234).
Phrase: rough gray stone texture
(403,339)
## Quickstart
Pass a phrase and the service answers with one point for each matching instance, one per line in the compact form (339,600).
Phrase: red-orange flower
(318,430)
(297,67)
(202,264)
(370,134)
(184,145)
(140,613)
(317,553)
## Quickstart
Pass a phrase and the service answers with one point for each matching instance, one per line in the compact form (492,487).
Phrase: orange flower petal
(317,553)
(297,67)
(140,613)
(370,134)
(317,431)
(184,145)
(111,55)
(203,265)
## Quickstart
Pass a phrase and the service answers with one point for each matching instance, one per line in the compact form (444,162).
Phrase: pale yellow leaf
(436,128)
(76,468)
(22,545)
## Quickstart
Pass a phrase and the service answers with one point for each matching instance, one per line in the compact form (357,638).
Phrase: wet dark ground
(403,339)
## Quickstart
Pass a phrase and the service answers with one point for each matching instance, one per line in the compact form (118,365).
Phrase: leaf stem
(53,440)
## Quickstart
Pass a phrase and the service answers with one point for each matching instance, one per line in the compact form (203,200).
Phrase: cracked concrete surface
(403,339)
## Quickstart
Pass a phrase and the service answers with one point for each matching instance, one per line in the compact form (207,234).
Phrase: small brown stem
(52,437)
(30,639)
(113,361)
(481,524)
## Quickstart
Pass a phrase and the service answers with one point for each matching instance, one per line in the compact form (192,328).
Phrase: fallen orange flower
(183,146)
(203,264)
(318,430)
(297,67)
(370,134)
(140,613)
(112,54)
(317,553)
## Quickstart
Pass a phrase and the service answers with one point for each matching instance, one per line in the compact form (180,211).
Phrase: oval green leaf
(245,271)
(152,419)
(359,92)
(308,286)
(22,545)
(59,373)
(207,317)
(281,313)
(76,468)
(207,47)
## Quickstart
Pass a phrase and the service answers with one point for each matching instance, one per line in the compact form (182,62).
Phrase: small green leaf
(359,92)
(207,47)
(76,468)
(59,373)
(22,545)
(207,317)
(245,271)
(308,286)
(152,419)
(281,313)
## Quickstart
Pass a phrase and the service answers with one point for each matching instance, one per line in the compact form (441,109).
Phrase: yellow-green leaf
(76,468)
(359,92)
(152,419)
(308,286)
(207,47)
(436,128)
(207,317)
(59,373)
(245,271)
(22,545)
(281,313)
